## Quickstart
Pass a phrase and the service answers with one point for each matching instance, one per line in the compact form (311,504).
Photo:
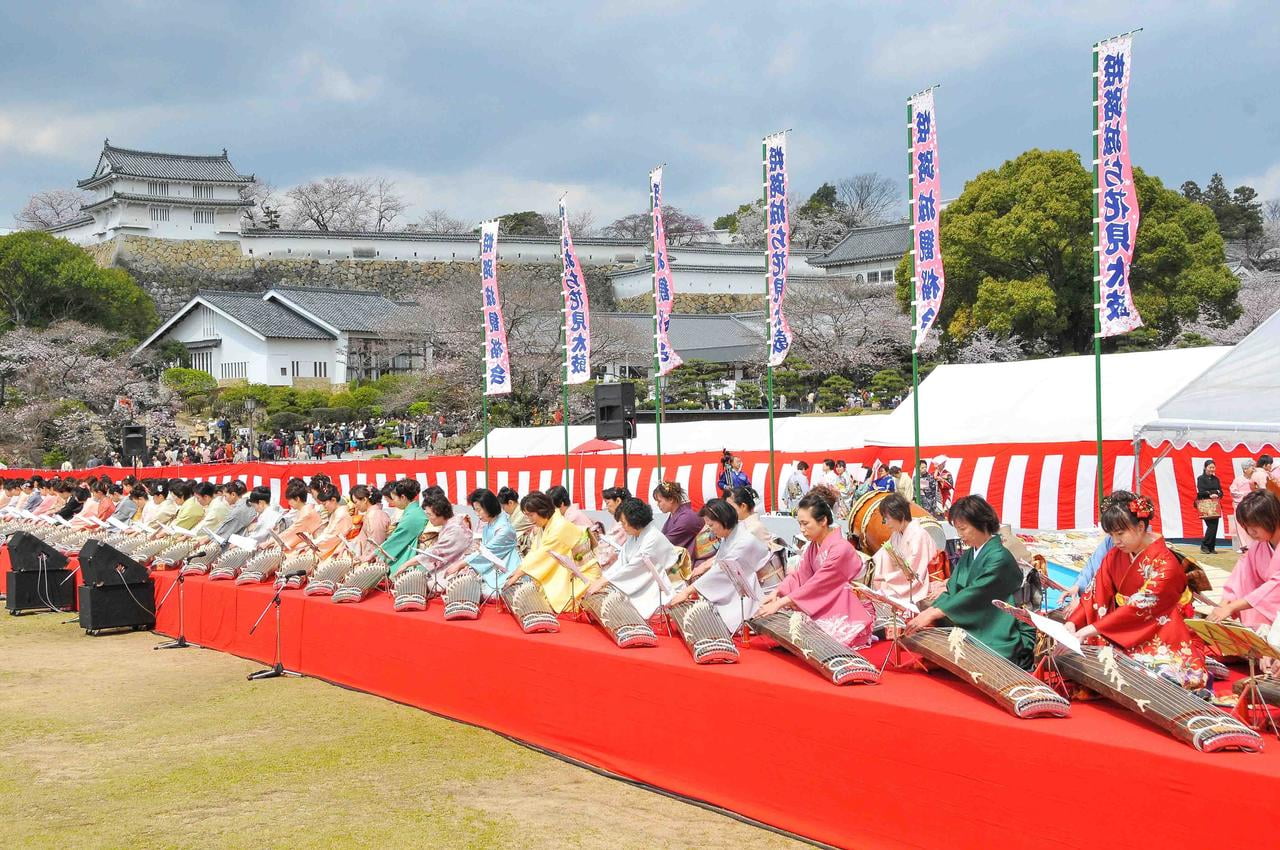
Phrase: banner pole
(484,407)
(1097,292)
(564,406)
(770,489)
(657,364)
(915,307)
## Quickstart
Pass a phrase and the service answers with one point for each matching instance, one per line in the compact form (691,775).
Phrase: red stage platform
(916,761)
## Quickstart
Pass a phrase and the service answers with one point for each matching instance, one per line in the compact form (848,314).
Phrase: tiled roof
(350,310)
(718,337)
(169,199)
(269,318)
(169,166)
(865,244)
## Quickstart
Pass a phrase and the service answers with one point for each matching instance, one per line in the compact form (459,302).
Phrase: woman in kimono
(556,535)
(1139,598)
(985,572)
(373,522)
(683,524)
(1241,486)
(452,540)
(560,498)
(884,481)
(743,500)
(402,543)
(330,538)
(630,572)
(820,584)
(608,544)
(497,537)
(712,580)
(1252,593)
(902,564)
(526,532)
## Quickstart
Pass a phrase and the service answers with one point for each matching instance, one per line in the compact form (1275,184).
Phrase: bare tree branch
(49,209)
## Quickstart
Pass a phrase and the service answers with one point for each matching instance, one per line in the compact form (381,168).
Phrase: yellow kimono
(189,515)
(560,536)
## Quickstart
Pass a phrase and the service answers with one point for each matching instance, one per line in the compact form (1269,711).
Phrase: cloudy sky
(483,108)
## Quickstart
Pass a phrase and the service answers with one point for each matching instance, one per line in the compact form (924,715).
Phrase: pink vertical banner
(497,360)
(778,243)
(1117,208)
(926,209)
(664,285)
(577,313)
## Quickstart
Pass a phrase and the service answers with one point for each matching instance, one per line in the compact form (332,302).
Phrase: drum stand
(181,642)
(277,669)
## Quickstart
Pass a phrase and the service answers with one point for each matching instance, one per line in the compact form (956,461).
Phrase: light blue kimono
(499,537)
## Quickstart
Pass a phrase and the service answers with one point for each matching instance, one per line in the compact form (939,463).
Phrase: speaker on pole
(133,445)
(616,411)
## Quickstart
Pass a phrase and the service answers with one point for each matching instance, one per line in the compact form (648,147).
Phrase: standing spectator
(732,475)
(885,481)
(1209,504)
(902,482)
(796,487)
(1242,486)
(928,490)
(1265,473)
(946,482)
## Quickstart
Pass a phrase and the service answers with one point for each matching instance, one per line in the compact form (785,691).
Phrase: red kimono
(1140,604)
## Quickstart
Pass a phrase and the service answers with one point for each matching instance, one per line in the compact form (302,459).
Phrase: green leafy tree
(1238,212)
(195,387)
(833,394)
(44,280)
(887,384)
(824,200)
(1018,247)
(748,395)
(693,380)
(527,223)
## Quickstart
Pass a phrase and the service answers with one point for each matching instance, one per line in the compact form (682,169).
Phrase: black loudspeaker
(101,564)
(119,606)
(133,445)
(39,591)
(25,550)
(616,411)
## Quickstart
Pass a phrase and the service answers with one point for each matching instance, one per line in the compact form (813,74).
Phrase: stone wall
(698,303)
(172,270)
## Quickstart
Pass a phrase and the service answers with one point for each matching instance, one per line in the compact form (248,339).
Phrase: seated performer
(371,519)
(305,518)
(609,544)
(820,584)
(498,537)
(557,535)
(267,515)
(452,540)
(711,580)
(1252,593)
(985,572)
(402,543)
(683,524)
(526,532)
(628,571)
(743,500)
(216,509)
(1139,597)
(902,564)
(328,539)
(559,497)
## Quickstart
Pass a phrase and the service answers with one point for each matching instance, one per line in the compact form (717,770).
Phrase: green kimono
(974,583)
(402,544)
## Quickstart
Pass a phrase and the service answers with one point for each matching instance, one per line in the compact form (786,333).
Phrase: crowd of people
(1254,475)
(936,484)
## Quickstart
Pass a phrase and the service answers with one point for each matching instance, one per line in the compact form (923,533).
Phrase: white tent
(792,434)
(1232,401)
(1042,401)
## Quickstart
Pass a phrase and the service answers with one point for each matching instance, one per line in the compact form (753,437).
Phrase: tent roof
(792,434)
(1043,401)
(1233,401)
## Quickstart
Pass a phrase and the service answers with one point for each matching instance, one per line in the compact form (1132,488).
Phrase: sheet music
(116,524)
(906,605)
(605,539)
(493,559)
(241,542)
(567,562)
(1063,636)
(660,576)
(733,570)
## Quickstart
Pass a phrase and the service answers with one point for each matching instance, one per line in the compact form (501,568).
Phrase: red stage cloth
(917,761)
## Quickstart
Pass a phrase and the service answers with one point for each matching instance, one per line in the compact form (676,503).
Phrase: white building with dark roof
(164,195)
(294,336)
(868,254)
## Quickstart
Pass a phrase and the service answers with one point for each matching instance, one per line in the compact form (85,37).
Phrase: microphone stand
(181,642)
(276,670)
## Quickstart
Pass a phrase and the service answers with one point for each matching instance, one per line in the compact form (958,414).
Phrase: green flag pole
(484,407)
(770,494)
(911,260)
(1097,292)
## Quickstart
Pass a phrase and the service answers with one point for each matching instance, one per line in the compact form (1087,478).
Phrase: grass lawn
(106,743)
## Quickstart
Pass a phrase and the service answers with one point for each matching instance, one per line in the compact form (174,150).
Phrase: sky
(485,108)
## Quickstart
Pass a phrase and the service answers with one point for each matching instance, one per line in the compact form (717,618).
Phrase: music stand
(664,588)
(897,610)
(575,574)
(733,570)
(1235,639)
(499,571)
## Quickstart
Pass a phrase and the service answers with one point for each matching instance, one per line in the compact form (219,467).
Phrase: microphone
(295,574)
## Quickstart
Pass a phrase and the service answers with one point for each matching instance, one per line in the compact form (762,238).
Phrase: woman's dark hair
(98,486)
(977,512)
(375,495)
(539,504)
(1263,460)
(137,491)
(506,496)
(745,496)
(1259,509)
(237,487)
(327,493)
(802,465)
(485,498)
(896,506)
(182,490)
(407,487)
(81,493)
(438,504)
(260,494)
(638,514)
(816,503)
(296,490)
(1118,514)
(559,496)
(159,488)
(720,511)
(670,490)
(1208,463)
(204,488)
(615,493)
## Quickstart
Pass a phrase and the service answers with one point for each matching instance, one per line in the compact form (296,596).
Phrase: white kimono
(745,549)
(260,529)
(629,573)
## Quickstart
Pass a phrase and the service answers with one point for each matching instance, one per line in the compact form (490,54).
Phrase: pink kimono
(1256,579)
(912,549)
(820,588)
